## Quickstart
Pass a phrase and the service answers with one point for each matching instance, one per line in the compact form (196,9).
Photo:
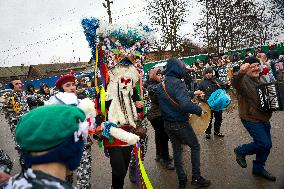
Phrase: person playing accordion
(254,120)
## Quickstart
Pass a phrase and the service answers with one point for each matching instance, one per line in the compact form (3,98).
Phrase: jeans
(261,145)
(182,133)
(217,123)
(161,138)
(119,161)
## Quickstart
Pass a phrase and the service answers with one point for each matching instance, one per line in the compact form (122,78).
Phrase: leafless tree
(168,16)
(236,24)
(278,6)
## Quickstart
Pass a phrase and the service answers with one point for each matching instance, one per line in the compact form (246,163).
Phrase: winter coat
(208,86)
(154,111)
(248,99)
(177,90)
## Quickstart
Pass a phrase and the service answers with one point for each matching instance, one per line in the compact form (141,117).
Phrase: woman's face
(46,89)
(69,87)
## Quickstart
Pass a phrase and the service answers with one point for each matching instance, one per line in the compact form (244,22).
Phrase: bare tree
(236,24)
(278,6)
(168,16)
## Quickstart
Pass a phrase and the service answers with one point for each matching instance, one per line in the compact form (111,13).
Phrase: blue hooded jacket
(177,90)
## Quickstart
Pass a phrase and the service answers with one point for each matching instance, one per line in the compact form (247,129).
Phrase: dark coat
(154,111)
(248,99)
(177,90)
(208,86)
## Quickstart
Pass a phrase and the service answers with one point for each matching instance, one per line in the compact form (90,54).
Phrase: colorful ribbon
(145,181)
(103,101)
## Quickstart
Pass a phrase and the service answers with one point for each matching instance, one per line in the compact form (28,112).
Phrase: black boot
(200,182)
(182,182)
(132,174)
(241,160)
(264,174)
(167,164)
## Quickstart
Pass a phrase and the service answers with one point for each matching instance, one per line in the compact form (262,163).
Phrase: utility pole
(107,6)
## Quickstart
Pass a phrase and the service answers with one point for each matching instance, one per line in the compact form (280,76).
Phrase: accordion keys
(271,96)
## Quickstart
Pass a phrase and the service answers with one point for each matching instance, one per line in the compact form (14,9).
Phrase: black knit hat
(251,60)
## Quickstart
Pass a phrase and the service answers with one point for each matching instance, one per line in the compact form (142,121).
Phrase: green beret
(48,126)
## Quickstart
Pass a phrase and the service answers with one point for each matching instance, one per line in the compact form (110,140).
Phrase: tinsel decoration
(142,179)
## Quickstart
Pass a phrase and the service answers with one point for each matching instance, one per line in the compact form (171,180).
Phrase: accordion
(271,96)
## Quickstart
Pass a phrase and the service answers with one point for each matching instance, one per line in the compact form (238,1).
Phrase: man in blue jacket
(176,105)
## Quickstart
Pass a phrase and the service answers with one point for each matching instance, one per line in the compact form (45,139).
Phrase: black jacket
(208,86)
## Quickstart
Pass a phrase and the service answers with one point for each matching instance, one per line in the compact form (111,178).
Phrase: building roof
(51,69)
(6,72)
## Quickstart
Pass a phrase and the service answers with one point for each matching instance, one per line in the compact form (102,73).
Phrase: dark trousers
(261,145)
(119,161)
(161,138)
(182,133)
(217,123)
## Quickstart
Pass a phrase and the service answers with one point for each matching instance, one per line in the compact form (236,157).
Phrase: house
(41,70)
(15,71)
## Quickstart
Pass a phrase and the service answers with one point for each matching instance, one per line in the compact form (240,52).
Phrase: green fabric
(48,126)
(204,57)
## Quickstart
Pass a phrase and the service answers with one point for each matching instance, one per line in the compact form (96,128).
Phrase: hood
(175,68)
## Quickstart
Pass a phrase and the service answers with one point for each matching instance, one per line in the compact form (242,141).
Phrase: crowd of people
(43,122)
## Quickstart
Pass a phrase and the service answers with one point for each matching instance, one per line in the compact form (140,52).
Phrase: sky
(45,31)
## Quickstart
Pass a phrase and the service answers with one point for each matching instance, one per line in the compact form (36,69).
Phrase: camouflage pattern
(85,169)
(35,100)
(14,107)
(35,179)
(6,163)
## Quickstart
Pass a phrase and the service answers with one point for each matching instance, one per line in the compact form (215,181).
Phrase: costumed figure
(118,53)
(15,106)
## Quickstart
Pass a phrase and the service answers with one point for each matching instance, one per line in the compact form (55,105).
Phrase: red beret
(64,79)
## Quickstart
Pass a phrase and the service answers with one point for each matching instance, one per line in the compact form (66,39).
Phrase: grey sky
(39,31)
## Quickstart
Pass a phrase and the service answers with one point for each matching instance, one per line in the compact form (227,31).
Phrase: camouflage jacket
(15,106)
(32,179)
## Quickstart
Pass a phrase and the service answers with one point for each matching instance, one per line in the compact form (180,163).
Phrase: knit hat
(48,126)
(64,79)
(251,60)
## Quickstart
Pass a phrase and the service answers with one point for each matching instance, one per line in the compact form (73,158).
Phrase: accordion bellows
(271,96)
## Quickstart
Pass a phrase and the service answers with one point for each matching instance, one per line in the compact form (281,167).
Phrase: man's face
(254,71)
(159,77)
(17,85)
(69,87)
(209,75)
